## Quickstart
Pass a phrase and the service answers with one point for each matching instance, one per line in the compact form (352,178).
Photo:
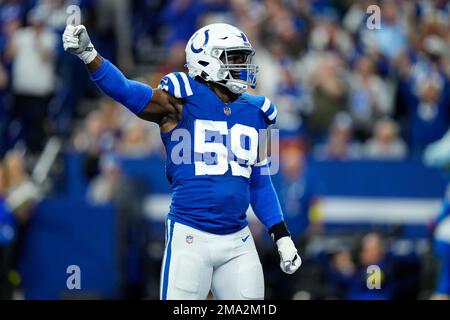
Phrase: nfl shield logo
(189,239)
(227,111)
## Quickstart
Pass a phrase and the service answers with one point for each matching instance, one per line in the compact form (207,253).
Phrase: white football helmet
(209,55)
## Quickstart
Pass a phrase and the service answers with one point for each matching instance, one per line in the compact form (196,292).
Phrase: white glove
(76,41)
(290,261)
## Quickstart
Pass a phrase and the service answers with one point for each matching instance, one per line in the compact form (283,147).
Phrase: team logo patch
(189,239)
(198,50)
(227,111)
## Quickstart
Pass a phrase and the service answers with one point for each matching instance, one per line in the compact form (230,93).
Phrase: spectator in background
(292,98)
(137,138)
(282,25)
(99,133)
(328,35)
(103,187)
(339,144)
(111,113)
(429,112)
(269,77)
(182,17)
(372,252)
(329,90)
(135,141)
(33,77)
(22,196)
(10,21)
(248,15)
(88,140)
(424,92)
(340,273)
(385,143)
(355,15)
(115,15)
(370,97)
(7,236)
(72,80)
(391,39)
(88,136)
(433,19)
(56,13)
(23,193)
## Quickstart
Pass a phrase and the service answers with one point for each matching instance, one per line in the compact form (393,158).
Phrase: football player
(208,243)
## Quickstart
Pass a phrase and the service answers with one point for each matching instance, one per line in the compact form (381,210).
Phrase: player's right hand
(76,41)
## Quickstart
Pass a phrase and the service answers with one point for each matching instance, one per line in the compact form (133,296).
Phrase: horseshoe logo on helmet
(204,44)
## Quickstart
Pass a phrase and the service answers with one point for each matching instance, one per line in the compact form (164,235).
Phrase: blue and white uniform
(208,243)
(212,165)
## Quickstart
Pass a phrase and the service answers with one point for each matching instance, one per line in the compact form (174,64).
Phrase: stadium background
(82,181)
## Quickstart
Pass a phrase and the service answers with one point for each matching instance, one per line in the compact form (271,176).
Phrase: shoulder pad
(269,110)
(178,84)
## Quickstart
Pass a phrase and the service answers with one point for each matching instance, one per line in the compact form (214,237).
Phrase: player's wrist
(279,231)
(88,55)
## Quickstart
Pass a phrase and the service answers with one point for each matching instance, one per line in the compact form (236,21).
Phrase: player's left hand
(290,260)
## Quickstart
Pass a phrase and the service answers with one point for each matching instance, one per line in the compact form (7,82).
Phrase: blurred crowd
(343,90)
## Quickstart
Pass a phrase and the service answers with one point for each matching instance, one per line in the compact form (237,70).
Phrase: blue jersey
(210,154)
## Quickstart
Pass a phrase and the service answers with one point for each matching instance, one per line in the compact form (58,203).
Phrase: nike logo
(245,239)
(166,81)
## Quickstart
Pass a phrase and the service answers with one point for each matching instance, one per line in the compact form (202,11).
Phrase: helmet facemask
(237,72)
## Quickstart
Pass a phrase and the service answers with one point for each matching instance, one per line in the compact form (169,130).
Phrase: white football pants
(196,262)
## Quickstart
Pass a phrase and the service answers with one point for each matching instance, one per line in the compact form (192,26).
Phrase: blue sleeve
(132,94)
(263,198)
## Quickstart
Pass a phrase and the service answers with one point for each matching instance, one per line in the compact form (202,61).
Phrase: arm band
(132,94)
(264,199)
(279,231)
